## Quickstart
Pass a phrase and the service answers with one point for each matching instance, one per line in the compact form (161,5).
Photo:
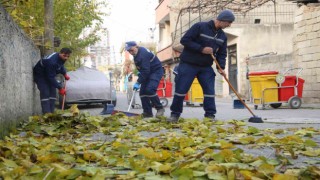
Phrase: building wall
(285,44)
(19,97)
(306,49)
(257,40)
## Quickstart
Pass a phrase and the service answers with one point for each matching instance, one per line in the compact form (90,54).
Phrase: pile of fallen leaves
(73,145)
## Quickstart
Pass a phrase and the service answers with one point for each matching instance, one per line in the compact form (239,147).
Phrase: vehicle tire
(255,107)
(108,102)
(276,105)
(294,102)
(60,101)
(114,103)
(164,102)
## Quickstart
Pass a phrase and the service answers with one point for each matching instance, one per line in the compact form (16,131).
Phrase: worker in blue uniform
(44,74)
(201,41)
(150,74)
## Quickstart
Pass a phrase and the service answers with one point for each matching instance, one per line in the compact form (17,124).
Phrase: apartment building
(262,27)
(100,54)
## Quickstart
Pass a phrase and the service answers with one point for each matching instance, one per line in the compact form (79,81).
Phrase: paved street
(307,116)
(304,116)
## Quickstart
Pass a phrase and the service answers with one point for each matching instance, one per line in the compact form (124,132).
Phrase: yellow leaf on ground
(284,177)
(74,110)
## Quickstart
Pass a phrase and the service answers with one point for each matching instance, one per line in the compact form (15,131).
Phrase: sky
(130,20)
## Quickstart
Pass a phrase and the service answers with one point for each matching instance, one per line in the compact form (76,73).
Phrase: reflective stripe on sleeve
(153,58)
(207,95)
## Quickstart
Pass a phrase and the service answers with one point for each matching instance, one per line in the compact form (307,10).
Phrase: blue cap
(226,15)
(130,44)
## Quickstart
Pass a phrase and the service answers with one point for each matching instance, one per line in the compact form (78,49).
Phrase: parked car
(88,86)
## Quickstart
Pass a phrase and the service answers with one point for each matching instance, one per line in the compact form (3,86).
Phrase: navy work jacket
(49,67)
(147,63)
(200,35)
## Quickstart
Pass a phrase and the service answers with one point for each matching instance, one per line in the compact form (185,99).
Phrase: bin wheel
(189,104)
(255,107)
(276,105)
(295,102)
(164,102)
(136,106)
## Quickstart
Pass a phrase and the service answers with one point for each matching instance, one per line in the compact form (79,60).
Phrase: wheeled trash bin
(291,88)
(264,88)
(195,94)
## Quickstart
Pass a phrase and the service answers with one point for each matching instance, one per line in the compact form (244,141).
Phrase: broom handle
(64,96)
(131,101)
(224,75)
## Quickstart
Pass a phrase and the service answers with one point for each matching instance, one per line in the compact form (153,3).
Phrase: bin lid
(263,73)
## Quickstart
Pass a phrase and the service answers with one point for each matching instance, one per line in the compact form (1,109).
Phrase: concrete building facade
(265,29)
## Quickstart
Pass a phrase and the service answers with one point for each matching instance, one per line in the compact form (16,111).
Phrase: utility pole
(48,27)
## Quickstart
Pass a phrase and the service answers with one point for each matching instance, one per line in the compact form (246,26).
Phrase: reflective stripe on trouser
(183,82)
(149,97)
(47,95)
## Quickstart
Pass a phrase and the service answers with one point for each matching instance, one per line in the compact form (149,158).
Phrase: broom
(254,119)
(64,96)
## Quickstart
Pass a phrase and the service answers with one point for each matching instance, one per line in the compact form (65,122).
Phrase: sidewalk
(307,114)
(303,105)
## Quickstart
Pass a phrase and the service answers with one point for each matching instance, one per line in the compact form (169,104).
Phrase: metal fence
(269,13)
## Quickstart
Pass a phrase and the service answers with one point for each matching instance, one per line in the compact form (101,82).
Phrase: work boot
(145,115)
(172,119)
(160,112)
(211,117)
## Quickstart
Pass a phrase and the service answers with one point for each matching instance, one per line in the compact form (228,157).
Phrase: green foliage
(71,17)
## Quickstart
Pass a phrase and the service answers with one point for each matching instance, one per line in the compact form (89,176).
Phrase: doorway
(232,66)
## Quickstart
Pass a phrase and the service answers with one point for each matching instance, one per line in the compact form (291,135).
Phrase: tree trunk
(48,27)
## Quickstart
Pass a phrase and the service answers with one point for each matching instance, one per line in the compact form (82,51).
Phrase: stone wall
(306,49)
(280,63)
(18,94)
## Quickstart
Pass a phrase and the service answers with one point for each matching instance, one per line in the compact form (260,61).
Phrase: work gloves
(62,91)
(138,74)
(66,77)
(136,86)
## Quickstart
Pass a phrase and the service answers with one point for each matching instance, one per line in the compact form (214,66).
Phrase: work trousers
(47,95)
(148,93)
(183,81)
